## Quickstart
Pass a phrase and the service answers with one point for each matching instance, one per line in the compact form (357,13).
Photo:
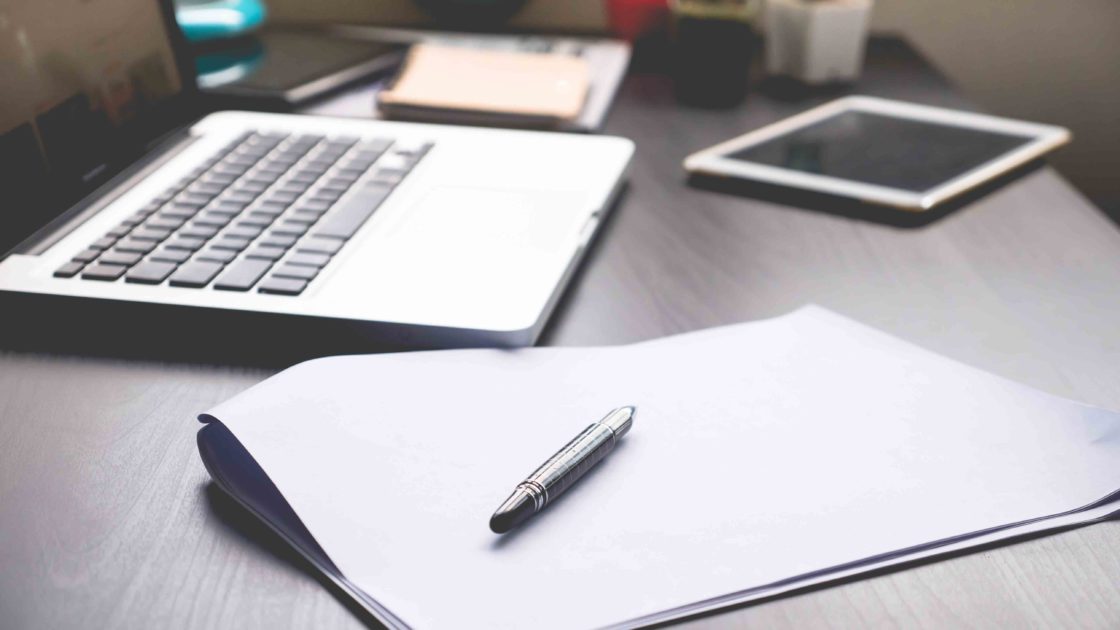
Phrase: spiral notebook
(765,457)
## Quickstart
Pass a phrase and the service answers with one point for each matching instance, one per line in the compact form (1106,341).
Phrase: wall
(1055,61)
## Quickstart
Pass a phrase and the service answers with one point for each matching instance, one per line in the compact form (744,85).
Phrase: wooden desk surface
(107,518)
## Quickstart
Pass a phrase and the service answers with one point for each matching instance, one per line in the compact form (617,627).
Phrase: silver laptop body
(410,234)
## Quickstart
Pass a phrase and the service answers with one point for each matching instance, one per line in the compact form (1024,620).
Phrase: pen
(562,470)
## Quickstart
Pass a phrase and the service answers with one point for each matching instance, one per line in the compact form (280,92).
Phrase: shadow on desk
(175,334)
(843,206)
(253,533)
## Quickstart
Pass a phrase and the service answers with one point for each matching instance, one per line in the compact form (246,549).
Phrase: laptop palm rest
(482,252)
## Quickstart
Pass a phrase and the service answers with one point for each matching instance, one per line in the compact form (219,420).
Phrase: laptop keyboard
(266,213)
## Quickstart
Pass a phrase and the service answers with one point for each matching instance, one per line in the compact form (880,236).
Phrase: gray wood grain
(107,518)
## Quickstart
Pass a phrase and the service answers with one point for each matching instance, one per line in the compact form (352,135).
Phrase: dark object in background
(471,13)
(279,69)
(713,44)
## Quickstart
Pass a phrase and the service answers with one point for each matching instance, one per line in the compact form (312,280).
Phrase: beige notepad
(440,80)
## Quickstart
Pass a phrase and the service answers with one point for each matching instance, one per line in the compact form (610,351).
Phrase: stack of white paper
(764,457)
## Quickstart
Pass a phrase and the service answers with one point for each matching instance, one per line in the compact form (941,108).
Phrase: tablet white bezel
(713,160)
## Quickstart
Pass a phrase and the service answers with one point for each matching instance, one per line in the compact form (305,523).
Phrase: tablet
(908,156)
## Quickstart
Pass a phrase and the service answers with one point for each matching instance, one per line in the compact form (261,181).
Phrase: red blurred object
(630,19)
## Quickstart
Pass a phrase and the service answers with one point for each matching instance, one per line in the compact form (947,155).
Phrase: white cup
(816,41)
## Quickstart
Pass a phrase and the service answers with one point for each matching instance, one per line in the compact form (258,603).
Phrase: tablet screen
(882,150)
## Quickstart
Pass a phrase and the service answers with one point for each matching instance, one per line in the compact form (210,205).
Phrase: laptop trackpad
(461,218)
(474,253)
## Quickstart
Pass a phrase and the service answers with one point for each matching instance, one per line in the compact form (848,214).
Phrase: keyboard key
(271,170)
(308,259)
(150,272)
(230,170)
(105,242)
(149,233)
(375,145)
(266,252)
(301,218)
(235,159)
(304,178)
(129,244)
(329,196)
(282,286)
(386,177)
(289,228)
(195,274)
(163,223)
(308,139)
(118,231)
(199,230)
(215,219)
(245,230)
(164,254)
(86,255)
(275,207)
(185,242)
(261,179)
(218,179)
(256,221)
(351,214)
(268,213)
(279,196)
(225,206)
(243,274)
(192,200)
(320,245)
(69,270)
(313,206)
(332,188)
(102,271)
(301,272)
(232,243)
(243,199)
(279,240)
(117,257)
(292,188)
(205,188)
(179,210)
(305,216)
(252,188)
(135,219)
(216,255)
(412,149)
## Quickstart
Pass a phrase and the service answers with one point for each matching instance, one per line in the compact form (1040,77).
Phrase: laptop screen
(83,87)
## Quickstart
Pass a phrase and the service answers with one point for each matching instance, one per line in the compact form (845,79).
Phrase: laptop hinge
(168,147)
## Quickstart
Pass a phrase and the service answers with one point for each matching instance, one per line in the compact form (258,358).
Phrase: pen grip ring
(571,462)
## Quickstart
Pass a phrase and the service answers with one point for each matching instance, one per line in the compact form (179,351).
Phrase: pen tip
(515,510)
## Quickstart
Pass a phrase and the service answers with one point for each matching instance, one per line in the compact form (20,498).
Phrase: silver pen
(562,470)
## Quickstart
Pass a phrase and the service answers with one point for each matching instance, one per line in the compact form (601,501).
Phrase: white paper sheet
(761,453)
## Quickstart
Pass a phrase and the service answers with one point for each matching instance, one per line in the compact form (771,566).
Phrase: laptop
(123,208)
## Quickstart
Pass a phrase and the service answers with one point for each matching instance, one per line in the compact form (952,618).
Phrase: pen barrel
(571,462)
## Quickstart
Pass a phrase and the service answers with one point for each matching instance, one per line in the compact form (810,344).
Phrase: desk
(107,518)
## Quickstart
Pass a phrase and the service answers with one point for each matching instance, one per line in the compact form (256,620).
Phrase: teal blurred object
(205,20)
(229,64)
